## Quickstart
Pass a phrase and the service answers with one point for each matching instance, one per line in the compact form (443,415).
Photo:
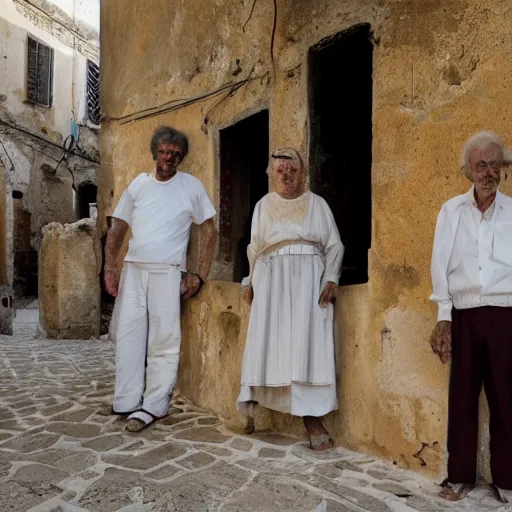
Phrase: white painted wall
(14,32)
(69,94)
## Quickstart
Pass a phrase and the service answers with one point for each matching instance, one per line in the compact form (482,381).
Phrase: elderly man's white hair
(483,139)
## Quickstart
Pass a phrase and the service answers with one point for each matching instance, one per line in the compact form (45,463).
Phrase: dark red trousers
(481,353)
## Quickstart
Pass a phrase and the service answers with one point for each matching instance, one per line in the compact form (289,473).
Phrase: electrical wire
(164,106)
(39,151)
(183,104)
(229,94)
(219,102)
(250,15)
(13,168)
(122,118)
(274,24)
(46,141)
(179,103)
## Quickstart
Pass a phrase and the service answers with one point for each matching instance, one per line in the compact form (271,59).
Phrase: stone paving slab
(58,454)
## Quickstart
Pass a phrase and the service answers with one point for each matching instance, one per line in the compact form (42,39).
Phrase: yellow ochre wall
(441,72)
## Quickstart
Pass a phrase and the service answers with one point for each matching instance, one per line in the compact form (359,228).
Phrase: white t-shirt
(160,214)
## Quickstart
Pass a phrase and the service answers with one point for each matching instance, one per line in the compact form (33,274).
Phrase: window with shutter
(93,92)
(39,73)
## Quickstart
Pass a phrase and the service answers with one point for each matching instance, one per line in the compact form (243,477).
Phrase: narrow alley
(59,454)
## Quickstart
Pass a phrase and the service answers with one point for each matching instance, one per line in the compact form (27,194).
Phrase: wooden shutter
(93,92)
(39,73)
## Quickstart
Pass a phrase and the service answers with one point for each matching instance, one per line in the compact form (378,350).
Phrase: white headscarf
(287,154)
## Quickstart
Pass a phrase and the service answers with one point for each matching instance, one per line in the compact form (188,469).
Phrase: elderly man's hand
(111,280)
(248,294)
(190,284)
(441,340)
(328,294)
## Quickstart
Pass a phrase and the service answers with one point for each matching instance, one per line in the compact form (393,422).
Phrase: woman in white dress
(295,259)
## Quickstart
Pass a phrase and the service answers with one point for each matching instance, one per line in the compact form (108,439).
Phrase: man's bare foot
(319,438)
(455,492)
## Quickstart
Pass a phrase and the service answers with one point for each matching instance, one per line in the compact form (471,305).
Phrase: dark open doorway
(86,195)
(340,103)
(243,182)
(24,256)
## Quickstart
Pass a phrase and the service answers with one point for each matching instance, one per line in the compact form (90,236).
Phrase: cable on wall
(13,168)
(46,141)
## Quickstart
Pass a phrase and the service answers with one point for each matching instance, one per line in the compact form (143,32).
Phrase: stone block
(393,488)
(104,444)
(271,492)
(203,434)
(204,490)
(271,453)
(69,287)
(38,473)
(111,491)
(25,496)
(276,439)
(162,473)
(6,310)
(149,459)
(241,444)
(31,443)
(80,430)
(196,460)
(215,450)
(76,463)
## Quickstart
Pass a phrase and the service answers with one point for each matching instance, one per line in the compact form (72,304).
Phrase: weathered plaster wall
(68,80)
(3,220)
(32,135)
(47,195)
(441,72)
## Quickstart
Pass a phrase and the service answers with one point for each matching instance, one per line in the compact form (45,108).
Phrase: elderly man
(472,284)
(159,207)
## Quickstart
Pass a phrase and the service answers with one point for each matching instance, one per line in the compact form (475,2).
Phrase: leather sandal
(139,420)
(108,410)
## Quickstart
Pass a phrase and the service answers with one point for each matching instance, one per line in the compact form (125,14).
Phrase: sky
(84,10)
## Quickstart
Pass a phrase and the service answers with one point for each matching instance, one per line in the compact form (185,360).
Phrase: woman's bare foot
(249,426)
(319,438)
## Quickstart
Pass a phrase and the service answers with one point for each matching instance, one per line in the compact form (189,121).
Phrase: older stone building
(49,118)
(380,94)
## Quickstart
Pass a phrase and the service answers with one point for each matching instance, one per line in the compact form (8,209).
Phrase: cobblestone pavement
(57,454)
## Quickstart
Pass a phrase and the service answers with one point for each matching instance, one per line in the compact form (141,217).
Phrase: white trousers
(147,336)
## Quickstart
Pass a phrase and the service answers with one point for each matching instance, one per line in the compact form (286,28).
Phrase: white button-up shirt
(472,256)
